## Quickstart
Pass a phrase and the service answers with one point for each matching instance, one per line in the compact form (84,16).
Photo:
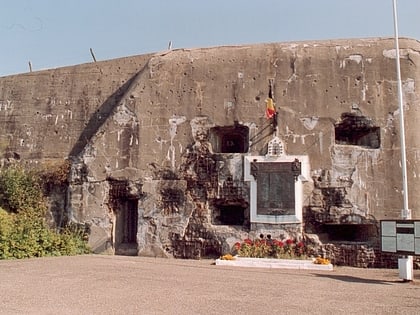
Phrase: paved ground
(136,285)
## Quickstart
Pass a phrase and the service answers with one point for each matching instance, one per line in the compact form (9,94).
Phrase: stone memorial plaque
(275,189)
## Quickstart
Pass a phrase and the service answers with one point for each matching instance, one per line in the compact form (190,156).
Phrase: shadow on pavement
(356,279)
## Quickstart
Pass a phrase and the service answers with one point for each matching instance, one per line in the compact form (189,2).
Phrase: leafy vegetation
(267,247)
(24,232)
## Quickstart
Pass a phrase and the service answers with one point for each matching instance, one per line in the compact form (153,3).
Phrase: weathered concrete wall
(146,119)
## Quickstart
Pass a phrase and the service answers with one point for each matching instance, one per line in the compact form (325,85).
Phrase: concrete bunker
(198,194)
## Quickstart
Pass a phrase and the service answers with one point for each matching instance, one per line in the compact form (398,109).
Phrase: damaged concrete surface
(154,125)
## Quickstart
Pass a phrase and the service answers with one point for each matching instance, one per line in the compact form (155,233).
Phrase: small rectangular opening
(231,215)
(357,130)
(349,232)
(230,139)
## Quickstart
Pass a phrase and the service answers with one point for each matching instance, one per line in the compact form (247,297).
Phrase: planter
(306,264)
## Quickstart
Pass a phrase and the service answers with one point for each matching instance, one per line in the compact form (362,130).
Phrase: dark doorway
(124,205)
(126,214)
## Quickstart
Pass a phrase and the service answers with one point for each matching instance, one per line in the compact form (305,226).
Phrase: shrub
(24,232)
(20,190)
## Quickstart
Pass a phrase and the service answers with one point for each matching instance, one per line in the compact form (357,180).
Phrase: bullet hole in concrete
(229,139)
(357,130)
(12,155)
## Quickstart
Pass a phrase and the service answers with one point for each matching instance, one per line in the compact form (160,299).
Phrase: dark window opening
(230,139)
(230,215)
(357,130)
(350,232)
(230,204)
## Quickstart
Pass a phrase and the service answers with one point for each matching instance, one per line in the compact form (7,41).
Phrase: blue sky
(55,33)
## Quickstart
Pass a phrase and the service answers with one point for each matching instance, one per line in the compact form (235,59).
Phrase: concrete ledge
(273,263)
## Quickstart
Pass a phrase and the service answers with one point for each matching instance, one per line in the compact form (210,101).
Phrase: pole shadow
(357,279)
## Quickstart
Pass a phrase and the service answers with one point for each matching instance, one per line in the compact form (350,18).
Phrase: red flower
(248,241)
(237,245)
(289,242)
(300,244)
(279,243)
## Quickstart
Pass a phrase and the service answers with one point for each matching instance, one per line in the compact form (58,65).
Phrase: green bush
(24,232)
(20,190)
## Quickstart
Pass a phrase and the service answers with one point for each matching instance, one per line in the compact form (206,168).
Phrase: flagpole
(405,265)
(406,212)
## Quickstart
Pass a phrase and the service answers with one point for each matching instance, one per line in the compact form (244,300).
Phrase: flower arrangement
(227,257)
(322,261)
(266,247)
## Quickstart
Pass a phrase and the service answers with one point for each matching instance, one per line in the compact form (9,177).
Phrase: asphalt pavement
(96,284)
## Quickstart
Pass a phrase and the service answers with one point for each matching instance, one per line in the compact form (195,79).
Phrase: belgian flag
(270,110)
